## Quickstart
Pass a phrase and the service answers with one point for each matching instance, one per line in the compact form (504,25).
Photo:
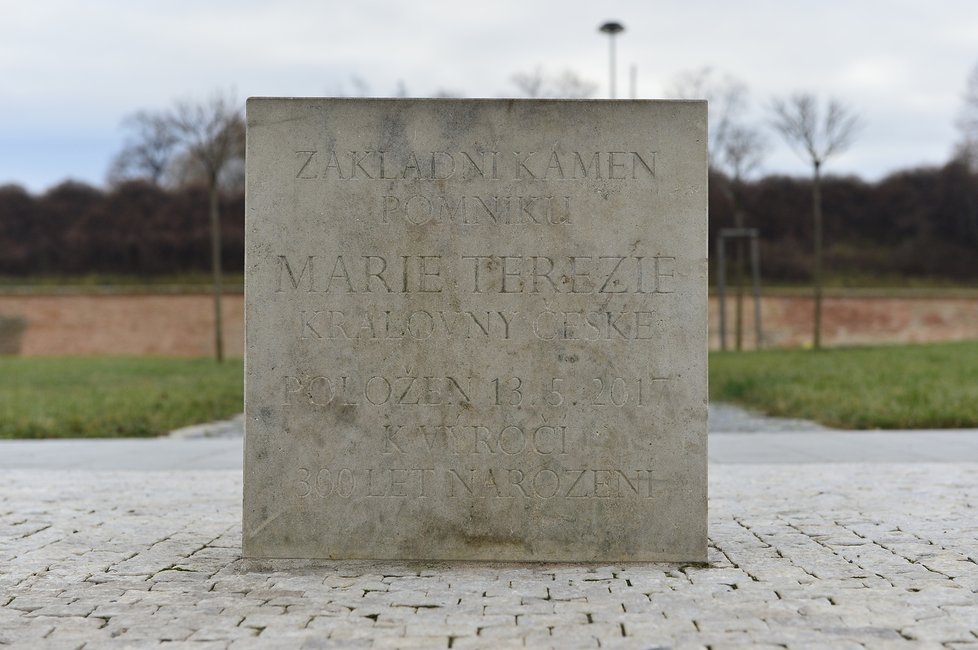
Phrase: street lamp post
(612,29)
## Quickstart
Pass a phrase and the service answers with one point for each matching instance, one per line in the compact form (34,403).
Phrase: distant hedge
(920,223)
(134,229)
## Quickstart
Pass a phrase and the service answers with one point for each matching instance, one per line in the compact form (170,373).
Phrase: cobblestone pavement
(802,556)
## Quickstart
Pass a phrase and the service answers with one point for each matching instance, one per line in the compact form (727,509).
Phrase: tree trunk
(817,264)
(216,268)
(739,302)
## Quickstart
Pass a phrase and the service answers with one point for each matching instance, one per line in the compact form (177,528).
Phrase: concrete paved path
(150,454)
(737,436)
(790,447)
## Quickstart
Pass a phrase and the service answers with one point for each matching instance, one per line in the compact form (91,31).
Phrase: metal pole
(634,84)
(817,271)
(721,288)
(755,264)
(611,29)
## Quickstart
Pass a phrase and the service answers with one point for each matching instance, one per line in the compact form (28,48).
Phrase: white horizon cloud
(70,72)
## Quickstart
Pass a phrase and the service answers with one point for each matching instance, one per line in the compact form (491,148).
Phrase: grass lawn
(103,397)
(889,387)
(886,387)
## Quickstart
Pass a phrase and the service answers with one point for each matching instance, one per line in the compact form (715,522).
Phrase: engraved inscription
(478,483)
(419,325)
(491,273)
(568,274)
(423,325)
(378,390)
(477,439)
(360,274)
(562,165)
(420,209)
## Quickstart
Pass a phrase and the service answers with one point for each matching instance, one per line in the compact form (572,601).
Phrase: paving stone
(479,643)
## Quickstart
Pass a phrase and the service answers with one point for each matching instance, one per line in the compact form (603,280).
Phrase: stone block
(476,330)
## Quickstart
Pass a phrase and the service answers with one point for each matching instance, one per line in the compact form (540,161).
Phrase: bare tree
(727,97)
(566,85)
(185,170)
(529,84)
(148,150)
(193,141)
(966,149)
(360,88)
(212,135)
(736,149)
(447,93)
(816,135)
(741,153)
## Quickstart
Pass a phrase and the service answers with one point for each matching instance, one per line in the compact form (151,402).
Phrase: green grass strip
(885,387)
(109,397)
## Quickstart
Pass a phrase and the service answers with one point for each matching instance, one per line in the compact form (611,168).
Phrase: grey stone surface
(476,329)
(729,418)
(143,454)
(801,556)
(920,446)
(230,428)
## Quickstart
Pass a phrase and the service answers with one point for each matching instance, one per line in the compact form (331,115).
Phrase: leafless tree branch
(566,85)
(966,149)
(147,152)
(529,84)
(727,98)
(742,152)
(211,132)
(797,120)
(193,139)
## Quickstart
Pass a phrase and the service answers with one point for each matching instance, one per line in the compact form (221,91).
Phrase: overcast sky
(70,71)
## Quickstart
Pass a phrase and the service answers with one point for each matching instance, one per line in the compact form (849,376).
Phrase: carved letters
(498,273)
(352,165)
(312,281)
(478,483)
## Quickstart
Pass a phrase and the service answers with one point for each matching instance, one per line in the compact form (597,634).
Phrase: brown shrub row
(915,223)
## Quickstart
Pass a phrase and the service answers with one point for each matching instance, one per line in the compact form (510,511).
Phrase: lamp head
(611,28)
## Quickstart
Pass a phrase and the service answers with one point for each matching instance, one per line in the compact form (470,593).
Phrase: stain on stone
(490,541)
(344,413)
